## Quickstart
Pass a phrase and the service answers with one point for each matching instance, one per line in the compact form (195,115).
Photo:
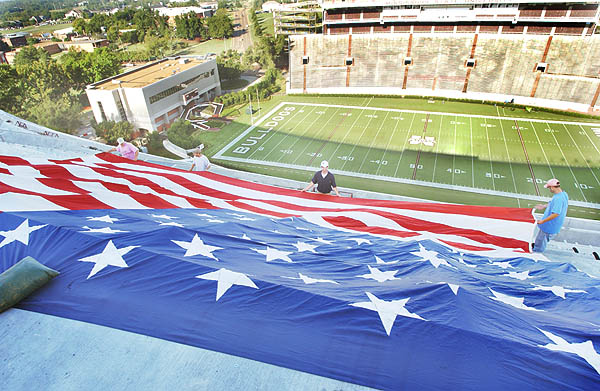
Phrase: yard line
(387,146)
(371,145)
(568,165)
(290,133)
(454,154)
(581,153)
(308,143)
(404,146)
(348,132)
(487,136)
(508,154)
(543,150)
(414,175)
(472,163)
(537,190)
(588,136)
(273,133)
(437,148)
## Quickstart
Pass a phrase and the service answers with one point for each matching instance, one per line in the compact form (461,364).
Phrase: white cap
(200,147)
(120,140)
(324,163)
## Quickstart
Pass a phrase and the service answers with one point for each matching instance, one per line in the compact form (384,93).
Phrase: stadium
(442,122)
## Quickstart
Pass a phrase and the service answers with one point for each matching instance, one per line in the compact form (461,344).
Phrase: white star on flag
(163,216)
(557,290)
(110,256)
(461,260)
(503,265)
(387,310)
(226,279)
(215,221)
(21,233)
(104,219)
(382,262)
(171,223)
(302,246)
(309,280)
(360,241)
(380,276)
(453,287)
(584,350)
(319,239)
(105,230)
(516,302)
(203,215)
(273,254)
(518,275)
(197,246)
(431,256)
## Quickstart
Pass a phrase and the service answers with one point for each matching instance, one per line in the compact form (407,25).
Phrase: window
(304,60)
(102,113)
(541,67)
(470,63)
(179,87)
(408,61)
(349,61)
(121,110)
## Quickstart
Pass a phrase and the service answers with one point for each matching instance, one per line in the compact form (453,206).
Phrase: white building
(171,13)
(154,96)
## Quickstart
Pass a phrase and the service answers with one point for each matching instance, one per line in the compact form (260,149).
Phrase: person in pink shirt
(127,150)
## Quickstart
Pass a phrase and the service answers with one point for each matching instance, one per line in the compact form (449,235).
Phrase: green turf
(470,152)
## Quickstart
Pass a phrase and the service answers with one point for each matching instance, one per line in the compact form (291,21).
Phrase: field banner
(385,294)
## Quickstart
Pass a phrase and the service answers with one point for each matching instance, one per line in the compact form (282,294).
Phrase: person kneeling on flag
(554,216)
(127,150)
(200,162)
(324,180)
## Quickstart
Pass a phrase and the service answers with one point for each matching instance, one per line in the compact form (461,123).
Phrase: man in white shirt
(200,162)
(324,180)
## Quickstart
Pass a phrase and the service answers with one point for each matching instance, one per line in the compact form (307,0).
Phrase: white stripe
(18,202)
(111,198)
(30,184)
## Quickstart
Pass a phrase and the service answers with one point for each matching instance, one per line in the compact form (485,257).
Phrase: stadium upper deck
(499,16)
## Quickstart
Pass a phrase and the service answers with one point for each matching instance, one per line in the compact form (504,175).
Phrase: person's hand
(539,222)
(540,206)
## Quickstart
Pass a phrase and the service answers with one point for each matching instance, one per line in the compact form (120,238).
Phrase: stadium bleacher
(500,64)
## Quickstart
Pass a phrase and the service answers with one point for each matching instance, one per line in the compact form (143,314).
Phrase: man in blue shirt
(554,216)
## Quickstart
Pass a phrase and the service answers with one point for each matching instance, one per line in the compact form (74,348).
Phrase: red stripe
(356,225)
(245,206)
(466,246)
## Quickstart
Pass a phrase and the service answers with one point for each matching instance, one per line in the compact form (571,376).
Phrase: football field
(484,154)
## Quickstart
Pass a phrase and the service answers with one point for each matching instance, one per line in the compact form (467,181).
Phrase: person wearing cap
(554,216)
(200,162)
(324,180)
(127,150)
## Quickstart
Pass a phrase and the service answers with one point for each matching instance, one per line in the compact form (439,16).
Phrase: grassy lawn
(369,148)
(38,29)
(234,84)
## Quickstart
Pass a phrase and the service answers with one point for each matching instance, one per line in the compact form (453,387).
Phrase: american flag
(386,294)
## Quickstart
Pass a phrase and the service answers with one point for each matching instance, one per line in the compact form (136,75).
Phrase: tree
(189,26)
(180,133)
(110,131)
(80,26)
(10,89)
(219,25)
(30,54)
(62,114)
(229,65)
(155,45)
(103,63)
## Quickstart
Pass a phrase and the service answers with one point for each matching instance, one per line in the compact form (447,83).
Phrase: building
(64,34)
(85,44)
(560,17)
(74,14)
(302,17)
(171,13)
(15,39)
(270,6)
(155,95)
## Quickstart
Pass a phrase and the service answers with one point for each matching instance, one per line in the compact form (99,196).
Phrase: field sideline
(475,153)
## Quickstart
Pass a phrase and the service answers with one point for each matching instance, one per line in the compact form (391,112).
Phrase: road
(242,39)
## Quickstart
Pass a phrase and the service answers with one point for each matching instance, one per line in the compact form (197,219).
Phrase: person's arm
(541,206)
(112,149)
(137,152)
(309,186)
(336,191)
(551,217)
